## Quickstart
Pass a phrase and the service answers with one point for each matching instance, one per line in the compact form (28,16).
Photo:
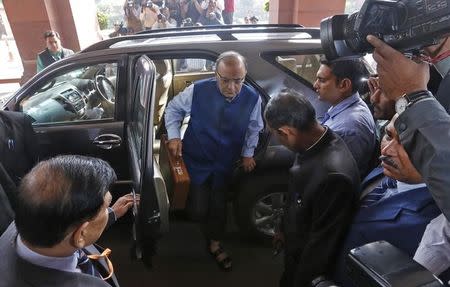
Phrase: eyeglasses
(227,81)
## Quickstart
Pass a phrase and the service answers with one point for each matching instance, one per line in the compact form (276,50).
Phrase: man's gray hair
(231,56)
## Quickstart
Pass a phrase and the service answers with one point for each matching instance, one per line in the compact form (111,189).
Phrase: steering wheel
(105,88)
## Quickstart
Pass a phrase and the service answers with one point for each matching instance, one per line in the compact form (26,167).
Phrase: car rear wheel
(259,205)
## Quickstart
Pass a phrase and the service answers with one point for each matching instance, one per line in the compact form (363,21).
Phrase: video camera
(406,25)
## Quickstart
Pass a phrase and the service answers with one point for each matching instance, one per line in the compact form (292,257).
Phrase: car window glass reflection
(306,66)
(87,93)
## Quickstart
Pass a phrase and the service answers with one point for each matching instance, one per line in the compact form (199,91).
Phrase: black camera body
(406,25)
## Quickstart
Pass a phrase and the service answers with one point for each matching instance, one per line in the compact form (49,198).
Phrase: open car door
(151,216)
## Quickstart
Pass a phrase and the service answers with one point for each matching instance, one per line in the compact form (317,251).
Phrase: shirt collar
(343,105)
(317,146)
(68,263)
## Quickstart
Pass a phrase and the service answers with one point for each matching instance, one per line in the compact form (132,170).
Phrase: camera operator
(164,20)
(211,16)
(149,14)
(440,57)
(423,126)
(192,9)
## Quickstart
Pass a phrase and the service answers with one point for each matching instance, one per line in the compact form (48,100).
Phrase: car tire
(253,204)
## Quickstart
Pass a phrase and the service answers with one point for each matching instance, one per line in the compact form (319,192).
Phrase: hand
(397,74)
(248,163)
(121,206)
(174,147)
(402,168)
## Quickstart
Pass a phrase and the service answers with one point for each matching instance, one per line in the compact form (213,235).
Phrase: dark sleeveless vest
(47,58)
(216,132)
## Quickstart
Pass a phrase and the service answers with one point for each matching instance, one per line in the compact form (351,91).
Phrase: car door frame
(58,138)
(152,214)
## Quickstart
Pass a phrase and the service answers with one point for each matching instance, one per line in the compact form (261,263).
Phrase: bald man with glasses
(225,121)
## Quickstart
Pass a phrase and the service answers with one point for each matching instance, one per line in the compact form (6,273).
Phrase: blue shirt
(180,107)
(352,121)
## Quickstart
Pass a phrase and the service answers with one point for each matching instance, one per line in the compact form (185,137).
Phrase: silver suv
(109,99)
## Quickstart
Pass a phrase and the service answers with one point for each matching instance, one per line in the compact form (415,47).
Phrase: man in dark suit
(62,209)
(391,209)
(323,189)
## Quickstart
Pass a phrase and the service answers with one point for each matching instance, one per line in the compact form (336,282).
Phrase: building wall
(74,20)
(305,12)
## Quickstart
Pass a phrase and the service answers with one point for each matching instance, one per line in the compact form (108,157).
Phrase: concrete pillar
(305,12)
(74,20)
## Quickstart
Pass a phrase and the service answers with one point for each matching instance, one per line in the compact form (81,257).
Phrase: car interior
(87,93)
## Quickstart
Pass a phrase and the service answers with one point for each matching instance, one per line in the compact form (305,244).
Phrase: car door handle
(108,141)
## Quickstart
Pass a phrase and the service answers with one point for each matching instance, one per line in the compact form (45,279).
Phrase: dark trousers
(227,17)
(207,205)
(290,265)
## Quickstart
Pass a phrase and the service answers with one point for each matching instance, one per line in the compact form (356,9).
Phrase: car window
(84,94)
(137,121)
(189,65)
(305,66)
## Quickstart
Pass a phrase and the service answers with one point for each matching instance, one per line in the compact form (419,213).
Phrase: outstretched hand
(123,204)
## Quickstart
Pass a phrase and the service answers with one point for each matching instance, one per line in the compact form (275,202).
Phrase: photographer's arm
(198,6)
(424,130)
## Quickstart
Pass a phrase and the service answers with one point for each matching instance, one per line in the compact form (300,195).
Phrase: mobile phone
(388,160)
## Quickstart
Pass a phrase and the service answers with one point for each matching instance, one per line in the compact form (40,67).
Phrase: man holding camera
(211,16)
(424,129)
(192,9)
(164,20)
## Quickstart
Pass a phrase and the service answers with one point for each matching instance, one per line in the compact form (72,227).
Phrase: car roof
(222,33)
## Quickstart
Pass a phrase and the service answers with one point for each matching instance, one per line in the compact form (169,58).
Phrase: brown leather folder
(175,176)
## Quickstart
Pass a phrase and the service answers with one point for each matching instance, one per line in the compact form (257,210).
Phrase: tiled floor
(183,261)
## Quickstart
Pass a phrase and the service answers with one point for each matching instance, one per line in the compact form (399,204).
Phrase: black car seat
(7,196)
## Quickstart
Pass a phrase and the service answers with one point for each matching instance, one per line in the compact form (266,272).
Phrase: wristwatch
(407,100)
